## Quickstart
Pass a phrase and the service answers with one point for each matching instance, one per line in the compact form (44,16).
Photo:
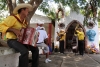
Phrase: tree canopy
(89,8)
(11,4)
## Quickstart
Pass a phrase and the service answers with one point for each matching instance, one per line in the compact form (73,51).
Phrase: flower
(92,49)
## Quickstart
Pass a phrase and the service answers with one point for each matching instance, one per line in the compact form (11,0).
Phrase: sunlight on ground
(78,59)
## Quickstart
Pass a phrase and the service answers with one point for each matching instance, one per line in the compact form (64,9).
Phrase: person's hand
(34,45)
(17,32)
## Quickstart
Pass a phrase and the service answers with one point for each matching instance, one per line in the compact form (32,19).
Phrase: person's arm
(46,38)
(15,31)
(57,33)
(7,24)
(46,41)
(79,32)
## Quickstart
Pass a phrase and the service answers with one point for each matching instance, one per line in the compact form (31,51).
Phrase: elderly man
(39,24)
(43,37)
(12,26)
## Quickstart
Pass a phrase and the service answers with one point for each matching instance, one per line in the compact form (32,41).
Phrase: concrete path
(71,60)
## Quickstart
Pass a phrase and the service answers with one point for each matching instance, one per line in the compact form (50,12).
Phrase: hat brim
(23,5)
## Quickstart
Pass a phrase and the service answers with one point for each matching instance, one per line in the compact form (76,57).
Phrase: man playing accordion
(12,26)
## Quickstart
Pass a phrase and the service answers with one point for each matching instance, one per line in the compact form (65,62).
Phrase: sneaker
(49,60)
(46,61)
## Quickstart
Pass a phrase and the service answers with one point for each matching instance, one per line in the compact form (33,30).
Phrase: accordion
(29,36)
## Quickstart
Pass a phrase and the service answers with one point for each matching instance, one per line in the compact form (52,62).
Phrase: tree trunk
(53,22)
(14,3)
(9,2)
(35,4)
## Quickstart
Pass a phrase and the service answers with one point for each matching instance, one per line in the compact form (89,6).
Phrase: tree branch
(31,2)
(14,3)
(9,2)
(35,4)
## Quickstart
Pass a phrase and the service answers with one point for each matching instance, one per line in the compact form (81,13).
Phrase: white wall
(38,18)
(80,18)
(96,40)
(68,19)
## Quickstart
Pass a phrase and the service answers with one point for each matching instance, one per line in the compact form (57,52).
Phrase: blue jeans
(23,49)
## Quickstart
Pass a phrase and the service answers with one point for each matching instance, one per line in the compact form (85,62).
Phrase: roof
(37,18)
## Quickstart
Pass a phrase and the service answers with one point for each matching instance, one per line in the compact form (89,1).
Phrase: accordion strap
(19,19)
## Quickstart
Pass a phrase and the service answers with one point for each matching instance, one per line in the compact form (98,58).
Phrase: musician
(43,37)
(62,36)
(12,26)
(81,36)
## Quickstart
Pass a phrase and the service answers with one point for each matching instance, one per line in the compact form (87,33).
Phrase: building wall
(99,35)
(68,19)
(38,18)
(80,18)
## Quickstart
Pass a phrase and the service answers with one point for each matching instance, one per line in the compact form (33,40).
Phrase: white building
(70,23)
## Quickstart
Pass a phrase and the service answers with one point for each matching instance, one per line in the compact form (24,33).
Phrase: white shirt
(42,36)
(38,28)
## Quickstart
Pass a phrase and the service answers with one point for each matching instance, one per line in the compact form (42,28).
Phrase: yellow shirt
(80,35)
(11,22)
(63,35)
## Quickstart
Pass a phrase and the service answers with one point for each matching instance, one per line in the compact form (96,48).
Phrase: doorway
(70,30)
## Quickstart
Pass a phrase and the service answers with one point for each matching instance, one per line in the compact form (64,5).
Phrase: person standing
(43,37)
(81,36)
(12,26)
(62,36)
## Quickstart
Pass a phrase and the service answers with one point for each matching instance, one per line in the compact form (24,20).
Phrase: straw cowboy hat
(22,5)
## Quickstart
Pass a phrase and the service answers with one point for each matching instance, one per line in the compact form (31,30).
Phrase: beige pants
(46,48)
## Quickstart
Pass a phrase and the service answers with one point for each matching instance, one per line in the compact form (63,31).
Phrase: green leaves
(51,15)
(44,7)
(3,4)
(50,12)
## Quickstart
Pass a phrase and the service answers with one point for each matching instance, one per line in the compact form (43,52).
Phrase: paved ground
(71,60)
